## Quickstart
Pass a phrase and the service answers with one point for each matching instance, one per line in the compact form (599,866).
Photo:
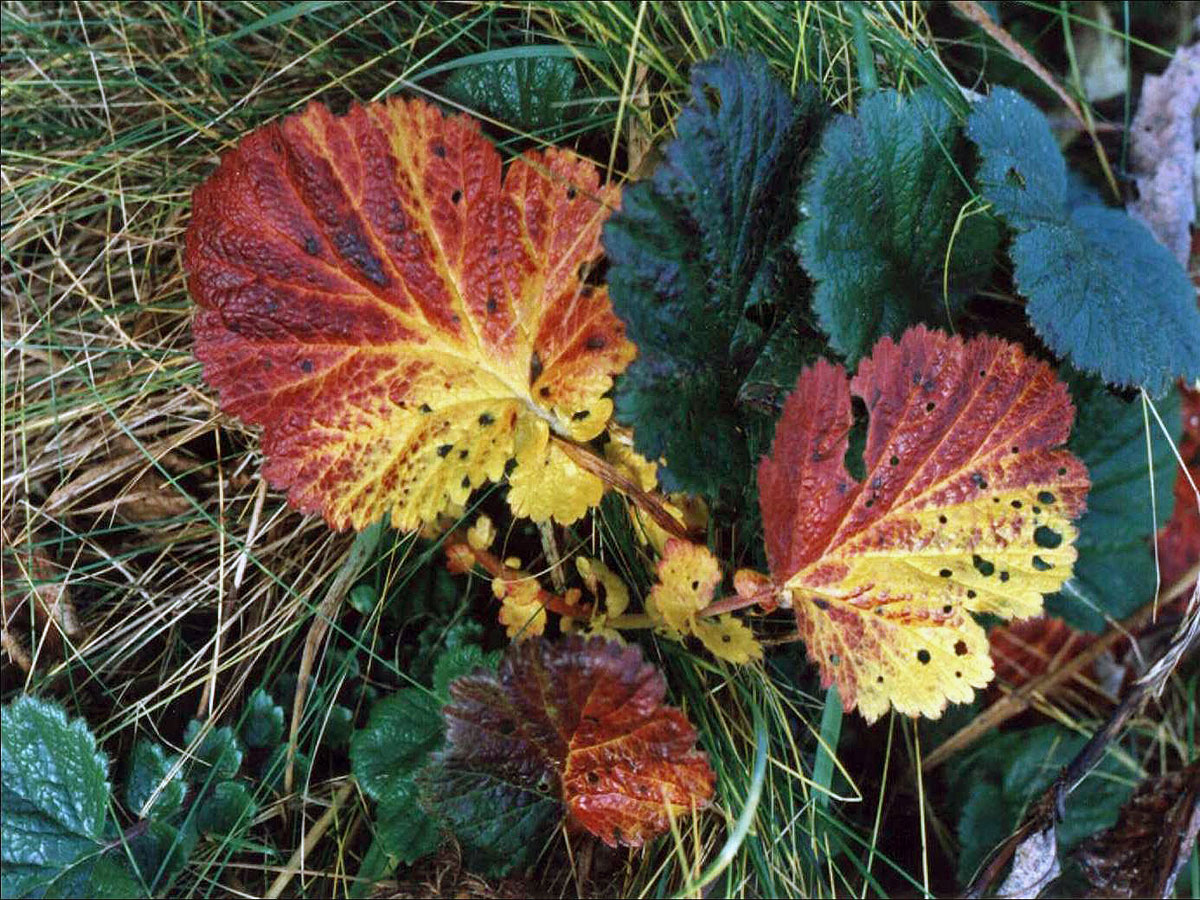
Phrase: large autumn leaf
(402,318)
(576,727)
(965,507)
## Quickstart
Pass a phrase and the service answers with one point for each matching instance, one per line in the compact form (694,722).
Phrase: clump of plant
(410,319)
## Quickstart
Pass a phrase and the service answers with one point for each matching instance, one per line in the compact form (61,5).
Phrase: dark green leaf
(54,801)
(501,821)
(404,832)
(881,205)
(1115,574)
(339,726)
(529,94)
(1101,289)
(262,723)
(160,851)
(149,769)
(401,733)
(994,784)
(226,810)
(700,269)
(219,755)
(461,660)
(1021,171)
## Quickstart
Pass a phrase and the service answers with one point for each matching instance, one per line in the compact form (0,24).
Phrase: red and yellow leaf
(390,308)
(584,721)
(965,507)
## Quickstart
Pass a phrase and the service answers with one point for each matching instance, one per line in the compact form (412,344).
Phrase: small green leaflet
(153,776)
(1114,574)
(528,93)
(881,206)
(701,271)
(1101,289)
(262,722)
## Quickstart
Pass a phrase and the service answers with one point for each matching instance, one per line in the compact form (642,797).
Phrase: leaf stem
(650,502)
(495,567)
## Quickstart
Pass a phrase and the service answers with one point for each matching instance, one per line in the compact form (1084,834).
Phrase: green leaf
(529,94)
(461,660)
(228,809)
(150,768)
(1115,574)
(262,722)
(500,821)
(219,755)
(339,726)
(403,830)
(161,851)
(55,794)
(1101,289)
(881,204)
(402,731)
(993,785)
(1021,171)
(700,269)
(273,770)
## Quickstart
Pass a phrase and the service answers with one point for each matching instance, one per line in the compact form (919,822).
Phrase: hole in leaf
(923,656)
(486,419)
(983,566)
(444,450)
(834,658)
(456,197)
(1047,537)
(1015,178)
(1046,497)
(856,440)
(1016,504)
(895,460)
(593,778)
(713,96)
(929,407)
(1041,565)
(971,595)
(1004,576)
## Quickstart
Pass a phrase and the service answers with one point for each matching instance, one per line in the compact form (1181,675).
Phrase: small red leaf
(585,721)
(1179,539)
